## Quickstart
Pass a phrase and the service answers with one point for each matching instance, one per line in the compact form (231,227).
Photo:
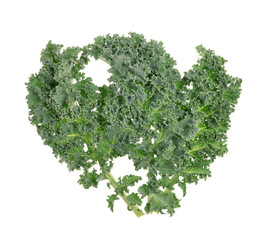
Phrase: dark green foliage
(111,200)
(173,127)
(134,199)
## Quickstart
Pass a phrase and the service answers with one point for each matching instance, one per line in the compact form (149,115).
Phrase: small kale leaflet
(171,126)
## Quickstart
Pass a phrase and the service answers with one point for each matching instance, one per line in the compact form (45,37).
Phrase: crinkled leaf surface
(171,126)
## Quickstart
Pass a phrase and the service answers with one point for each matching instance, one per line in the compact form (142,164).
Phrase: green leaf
(134,199)
(119,130)
(182,185)
(163,135)
(103,146)
(143,190)
(130,180)
(219,145)
(159,201)
(60,96)
(111,200)
(89,179)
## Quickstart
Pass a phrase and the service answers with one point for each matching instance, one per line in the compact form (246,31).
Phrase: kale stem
(104,60)
(114,183)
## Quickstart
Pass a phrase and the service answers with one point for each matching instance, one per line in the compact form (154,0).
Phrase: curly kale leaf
(173,127)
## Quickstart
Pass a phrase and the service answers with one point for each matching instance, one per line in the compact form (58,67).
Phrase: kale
(173,127)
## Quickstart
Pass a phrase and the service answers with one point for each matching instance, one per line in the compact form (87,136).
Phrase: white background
(40,199)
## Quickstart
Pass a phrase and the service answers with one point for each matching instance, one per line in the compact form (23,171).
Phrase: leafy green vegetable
(174,127)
